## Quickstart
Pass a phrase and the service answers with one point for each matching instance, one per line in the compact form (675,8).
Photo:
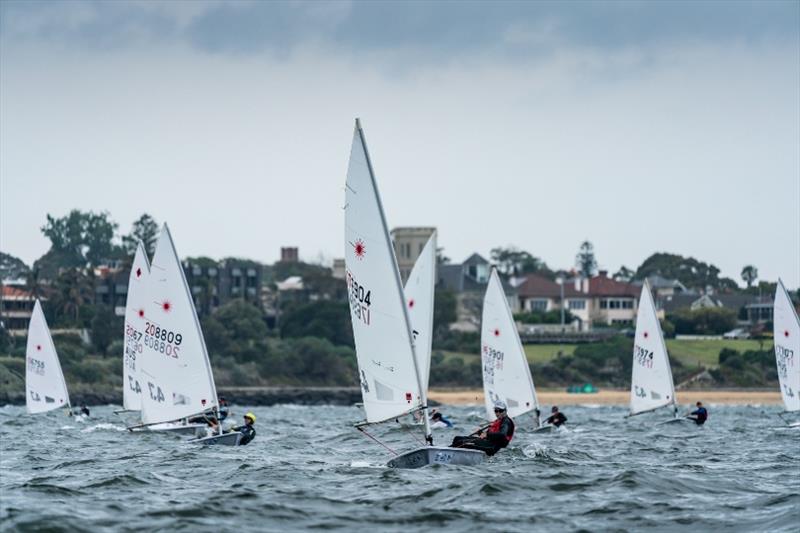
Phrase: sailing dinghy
(391,381)
(652,386)
(787,350)
(419,294)
(44,381)
(506,373)
(134,332)
(176,378)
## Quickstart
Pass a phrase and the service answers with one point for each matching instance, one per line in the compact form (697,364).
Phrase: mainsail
(787,347)
(419,292)
(651,381)
(175,372)
(390,381)
(134,330)
(44,381)
(506,373)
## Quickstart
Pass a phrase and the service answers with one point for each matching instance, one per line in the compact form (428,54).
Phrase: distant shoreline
(352,395)
(618,397)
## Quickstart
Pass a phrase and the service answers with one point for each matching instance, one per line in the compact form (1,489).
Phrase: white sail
(419,292)
(134,330)
(390,383)
(651,380)
(44,382)
(506,373)
(175,372)
(787,348)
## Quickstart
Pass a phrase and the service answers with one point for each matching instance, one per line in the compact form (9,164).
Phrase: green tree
(688,270)
(704,321)
(12,267)
(512,261)
(146,230)
(624,274)
(72,293)
(80,239)
(105,328)
(749,275)
(236,329)
(326,319)
(585,260)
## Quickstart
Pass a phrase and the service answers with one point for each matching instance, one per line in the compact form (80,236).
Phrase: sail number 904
(359,297)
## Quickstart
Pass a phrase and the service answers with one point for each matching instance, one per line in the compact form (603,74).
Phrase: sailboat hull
(226,439)
(175,429)
(437,455)
(549,428)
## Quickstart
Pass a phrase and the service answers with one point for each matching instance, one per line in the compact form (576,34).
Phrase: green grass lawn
(690,352)
(706,352)
(541,353)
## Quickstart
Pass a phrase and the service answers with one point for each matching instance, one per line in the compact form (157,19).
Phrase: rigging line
(413,436)
(362,430)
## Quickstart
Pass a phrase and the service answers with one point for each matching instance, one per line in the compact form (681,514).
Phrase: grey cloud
(429,30)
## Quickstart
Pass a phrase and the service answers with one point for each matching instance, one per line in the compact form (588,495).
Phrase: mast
(423,393)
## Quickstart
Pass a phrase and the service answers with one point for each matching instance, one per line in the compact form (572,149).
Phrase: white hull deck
(437,455)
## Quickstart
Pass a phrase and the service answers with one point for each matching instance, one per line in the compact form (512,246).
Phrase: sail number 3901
(359,298)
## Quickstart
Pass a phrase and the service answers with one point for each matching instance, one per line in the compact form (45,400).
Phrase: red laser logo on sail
(138,272)
(359,249)
(166,305)
(646,334)
(496,332)
(411,304)
(786,333)
(141,313)
(38,347)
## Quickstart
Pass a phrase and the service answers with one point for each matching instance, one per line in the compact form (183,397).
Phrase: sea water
(309,469)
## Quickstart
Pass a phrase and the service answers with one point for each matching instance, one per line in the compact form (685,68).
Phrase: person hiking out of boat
(248,430)
(82,411)
(223,409)
(209,418)
(557,418)
(438,421)
(494,437)
(699,415)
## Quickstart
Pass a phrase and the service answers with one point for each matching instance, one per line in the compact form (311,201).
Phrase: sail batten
(175,371)
(787,348)
(390,380)
(45,388)
(652,386)
(506,372)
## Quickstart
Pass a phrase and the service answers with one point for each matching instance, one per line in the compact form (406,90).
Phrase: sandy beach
(617,397)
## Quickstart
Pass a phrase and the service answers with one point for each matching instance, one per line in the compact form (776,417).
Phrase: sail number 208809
(162,340)
(359,299)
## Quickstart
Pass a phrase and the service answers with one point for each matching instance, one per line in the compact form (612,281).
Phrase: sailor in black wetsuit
(82,411)
(248,430)
(494,438)
(557,418)
(699,415)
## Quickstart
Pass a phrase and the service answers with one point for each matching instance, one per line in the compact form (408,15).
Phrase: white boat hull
(226,439)
(549,428)
(437,455)
(175,429)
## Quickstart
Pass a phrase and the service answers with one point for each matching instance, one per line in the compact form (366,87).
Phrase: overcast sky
(643,127)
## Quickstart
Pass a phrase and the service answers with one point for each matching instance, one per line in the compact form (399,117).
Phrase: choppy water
(308,469)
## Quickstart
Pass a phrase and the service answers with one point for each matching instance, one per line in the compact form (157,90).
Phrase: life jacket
(497,427)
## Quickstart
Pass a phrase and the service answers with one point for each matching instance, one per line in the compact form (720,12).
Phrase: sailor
(82,411)
(557,418)
(248,430)
(223,408)
(494,437)
(699,415)
(438,421)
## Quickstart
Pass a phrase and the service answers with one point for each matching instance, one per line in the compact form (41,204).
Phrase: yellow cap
(251,416)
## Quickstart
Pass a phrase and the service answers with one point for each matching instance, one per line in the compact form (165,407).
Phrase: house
(111,288)
(216,283)
(663,287)
(408,244)
(468,282)
(16,308)
(749,309)
(594,301)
